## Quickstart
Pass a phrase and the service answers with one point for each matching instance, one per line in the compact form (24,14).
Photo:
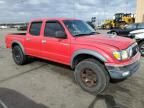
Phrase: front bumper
(124,71)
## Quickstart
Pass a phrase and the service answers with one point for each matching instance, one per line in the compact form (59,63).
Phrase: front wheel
(91,76)
(114,33)
(141,48)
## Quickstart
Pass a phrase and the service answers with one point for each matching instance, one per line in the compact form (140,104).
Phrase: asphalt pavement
(44,84)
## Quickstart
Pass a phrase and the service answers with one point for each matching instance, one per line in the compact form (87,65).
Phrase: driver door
(55,48)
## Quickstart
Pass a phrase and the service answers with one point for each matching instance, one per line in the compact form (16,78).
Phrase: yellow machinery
(108,24)
(119,21)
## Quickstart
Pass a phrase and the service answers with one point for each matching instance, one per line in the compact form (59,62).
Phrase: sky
(25,10)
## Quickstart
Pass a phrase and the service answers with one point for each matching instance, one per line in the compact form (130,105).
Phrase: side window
(35,28)
(52,28)
(141,26)
(134,26)
(131,26)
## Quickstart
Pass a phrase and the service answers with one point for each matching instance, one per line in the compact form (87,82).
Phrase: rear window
(35,28)
(141,26)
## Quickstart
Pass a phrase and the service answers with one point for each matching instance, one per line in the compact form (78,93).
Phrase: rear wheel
(141,48)
(19,57)
(91,76)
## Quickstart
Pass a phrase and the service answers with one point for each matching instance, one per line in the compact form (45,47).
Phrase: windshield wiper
(84,34)
(81,34)
(92,33)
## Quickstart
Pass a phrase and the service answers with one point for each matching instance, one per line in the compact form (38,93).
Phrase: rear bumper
(123,71)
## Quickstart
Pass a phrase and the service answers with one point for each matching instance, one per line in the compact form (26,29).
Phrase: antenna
(127,6)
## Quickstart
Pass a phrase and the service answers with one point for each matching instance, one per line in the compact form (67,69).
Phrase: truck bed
(15,37)
(22,34)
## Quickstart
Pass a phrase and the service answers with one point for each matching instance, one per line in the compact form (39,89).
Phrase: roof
(60,19)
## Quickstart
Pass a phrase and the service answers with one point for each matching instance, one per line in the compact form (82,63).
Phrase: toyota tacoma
(95,58)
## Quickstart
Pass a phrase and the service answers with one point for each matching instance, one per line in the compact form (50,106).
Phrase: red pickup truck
(96,58)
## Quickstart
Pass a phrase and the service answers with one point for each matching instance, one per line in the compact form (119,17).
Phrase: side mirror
(60,34)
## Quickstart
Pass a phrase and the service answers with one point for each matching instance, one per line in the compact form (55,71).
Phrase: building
(12,25)
(140,11)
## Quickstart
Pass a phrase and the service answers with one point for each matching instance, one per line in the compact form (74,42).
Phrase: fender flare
(89,52)
(19,43)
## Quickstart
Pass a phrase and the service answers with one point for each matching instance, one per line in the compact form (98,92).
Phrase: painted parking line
(20,74)
(2,104)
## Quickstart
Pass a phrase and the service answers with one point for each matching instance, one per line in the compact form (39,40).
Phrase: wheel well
(114,31)
(15,44)
(18,44)
(82,57)
(141,41)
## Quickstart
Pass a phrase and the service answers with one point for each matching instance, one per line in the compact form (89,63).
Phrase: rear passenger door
(33,39)
(55,48)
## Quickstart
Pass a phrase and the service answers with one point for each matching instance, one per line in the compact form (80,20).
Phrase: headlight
(121,55)
(124,55)
(117,55)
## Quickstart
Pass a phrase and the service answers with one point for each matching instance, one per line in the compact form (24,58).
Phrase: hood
(137,31)
(139,36)
(114,41)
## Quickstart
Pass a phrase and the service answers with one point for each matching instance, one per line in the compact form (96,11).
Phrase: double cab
(95,58)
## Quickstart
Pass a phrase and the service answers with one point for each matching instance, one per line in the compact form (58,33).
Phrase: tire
(114,33)
(18,56)
(101,75)
(141,48)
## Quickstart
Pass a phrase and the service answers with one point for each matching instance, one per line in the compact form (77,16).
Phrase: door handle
(65,44)
(43,41)
(28,39)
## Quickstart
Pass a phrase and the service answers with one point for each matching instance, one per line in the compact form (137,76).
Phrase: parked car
(3,27)
(124,32)
(138,35)
(22,28)
(95,58)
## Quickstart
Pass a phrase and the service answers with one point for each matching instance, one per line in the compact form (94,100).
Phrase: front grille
(135,49)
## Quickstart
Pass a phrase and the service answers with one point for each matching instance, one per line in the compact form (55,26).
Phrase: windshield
(79,28)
